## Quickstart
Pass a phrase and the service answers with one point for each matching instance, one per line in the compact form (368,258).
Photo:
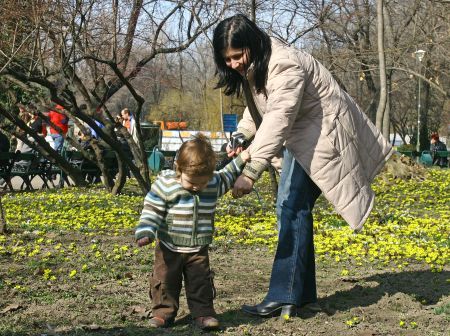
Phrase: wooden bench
(27,166)
(6,164)
(442,154)
(89,170)
(410,154)
(429,157)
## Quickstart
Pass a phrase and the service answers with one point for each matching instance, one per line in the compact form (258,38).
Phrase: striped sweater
(179,216)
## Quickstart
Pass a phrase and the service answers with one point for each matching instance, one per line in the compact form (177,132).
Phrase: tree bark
(381,59)
(2,217)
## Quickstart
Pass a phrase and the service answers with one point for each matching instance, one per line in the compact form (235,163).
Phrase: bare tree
(82,52)
(380,118)
(2,217)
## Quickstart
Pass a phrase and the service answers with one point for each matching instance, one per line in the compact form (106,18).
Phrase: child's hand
(245,156)
(233,152)
(144,241)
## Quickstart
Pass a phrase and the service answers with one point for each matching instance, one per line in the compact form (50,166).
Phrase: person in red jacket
(62,121)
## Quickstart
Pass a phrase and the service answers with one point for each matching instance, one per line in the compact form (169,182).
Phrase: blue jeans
(293,278)
(58,141)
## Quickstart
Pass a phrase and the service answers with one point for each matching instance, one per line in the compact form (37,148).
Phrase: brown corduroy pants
(169,269)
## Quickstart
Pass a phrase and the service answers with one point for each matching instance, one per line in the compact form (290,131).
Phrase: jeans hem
(281,300)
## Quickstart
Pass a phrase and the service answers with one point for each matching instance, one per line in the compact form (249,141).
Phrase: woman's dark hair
(239,32)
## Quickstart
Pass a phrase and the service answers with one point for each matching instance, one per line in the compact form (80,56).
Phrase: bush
(406,148)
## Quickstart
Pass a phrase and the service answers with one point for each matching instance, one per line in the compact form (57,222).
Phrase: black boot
(267,309)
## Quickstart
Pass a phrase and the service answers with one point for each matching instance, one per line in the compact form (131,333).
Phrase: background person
(129,123)
(37,124)
(21,146)
(179,213)
(294,105)
(62,121)
(435,146)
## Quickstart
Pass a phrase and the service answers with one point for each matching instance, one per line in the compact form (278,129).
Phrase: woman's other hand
(144,241)
(242,186)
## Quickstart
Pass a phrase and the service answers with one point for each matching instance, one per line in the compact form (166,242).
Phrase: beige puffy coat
(328,134)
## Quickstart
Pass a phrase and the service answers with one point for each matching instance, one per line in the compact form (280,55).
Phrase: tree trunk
(253,11)
(381,58)
(424,131)
(273,183)
(387,113)
(2,218)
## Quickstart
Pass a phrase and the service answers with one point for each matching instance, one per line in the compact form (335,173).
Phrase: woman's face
(236,59)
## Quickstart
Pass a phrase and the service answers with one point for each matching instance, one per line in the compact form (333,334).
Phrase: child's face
(194,183)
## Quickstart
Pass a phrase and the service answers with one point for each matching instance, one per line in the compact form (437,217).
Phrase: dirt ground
(373,301)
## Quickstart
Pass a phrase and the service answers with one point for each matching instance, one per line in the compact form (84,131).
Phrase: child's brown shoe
(158,322)
(206,322)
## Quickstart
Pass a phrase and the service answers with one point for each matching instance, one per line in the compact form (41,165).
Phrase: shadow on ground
(424,286)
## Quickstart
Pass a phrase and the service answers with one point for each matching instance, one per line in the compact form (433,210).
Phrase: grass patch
(69,261)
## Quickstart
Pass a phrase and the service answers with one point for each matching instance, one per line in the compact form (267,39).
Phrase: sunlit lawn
(410,223)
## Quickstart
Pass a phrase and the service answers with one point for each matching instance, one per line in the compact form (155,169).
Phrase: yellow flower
(47,274)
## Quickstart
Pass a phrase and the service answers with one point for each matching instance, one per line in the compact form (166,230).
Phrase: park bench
(89,170)
(427,157)
(6,164)
(442,154)
(50,170)
(410,154)
(27,166)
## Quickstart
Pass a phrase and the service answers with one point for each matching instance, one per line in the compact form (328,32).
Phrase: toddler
(179,213)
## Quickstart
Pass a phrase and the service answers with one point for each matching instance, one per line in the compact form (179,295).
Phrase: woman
(21,146)
(294,105)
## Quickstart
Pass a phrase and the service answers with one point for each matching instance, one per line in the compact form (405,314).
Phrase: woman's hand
(242,186)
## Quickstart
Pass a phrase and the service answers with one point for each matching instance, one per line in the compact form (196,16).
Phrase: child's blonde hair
(196,157)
